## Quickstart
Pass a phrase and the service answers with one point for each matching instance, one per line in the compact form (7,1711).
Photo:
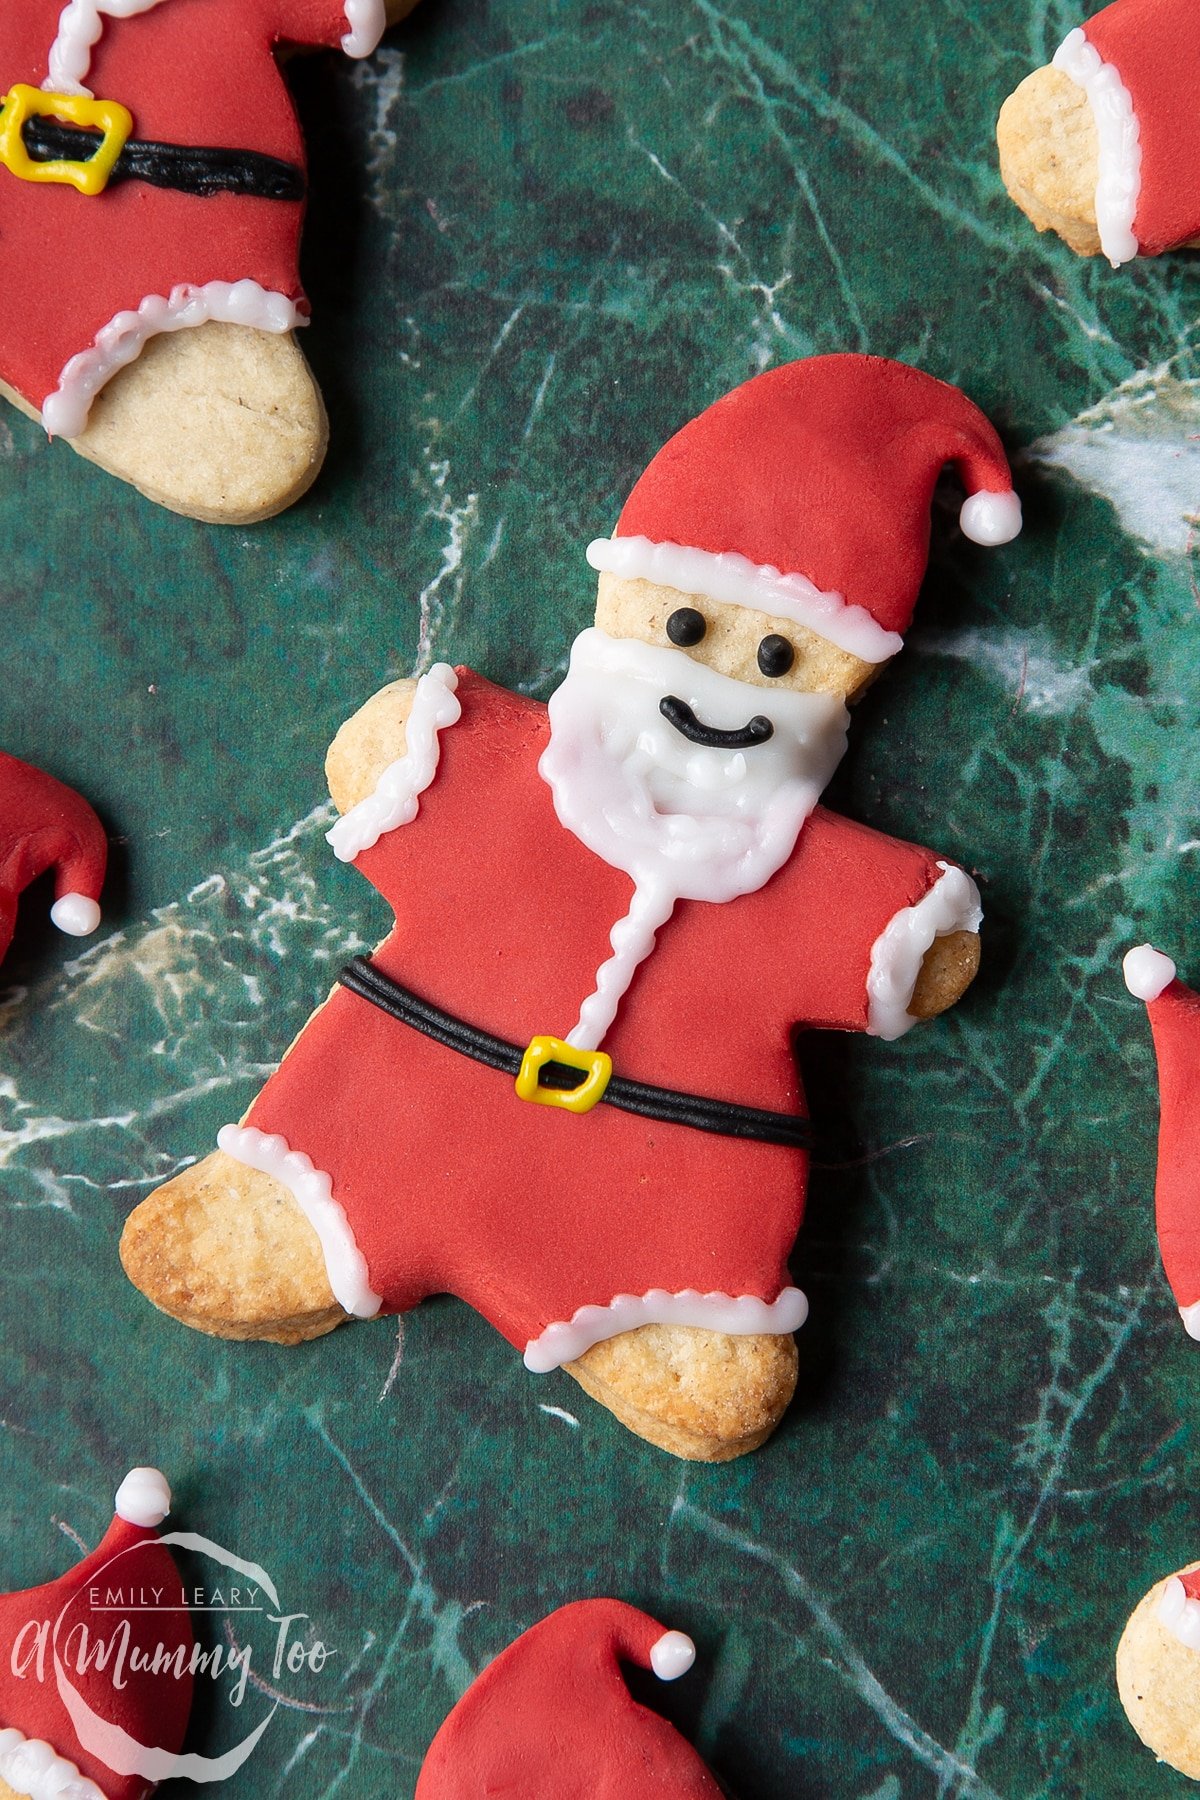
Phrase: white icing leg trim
(367,20)
(736,581)
(1119,183)
(398,791)
(312,1190)
(123,339)
(1191,1320)
(952,904)
(32,1767)
(1180,1615)
(80,25)
(741,1316)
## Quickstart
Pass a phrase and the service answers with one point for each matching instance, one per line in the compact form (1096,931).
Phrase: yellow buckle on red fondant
(596,1067)
(90,177)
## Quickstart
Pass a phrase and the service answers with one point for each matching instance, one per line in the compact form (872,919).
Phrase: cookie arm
(368,743)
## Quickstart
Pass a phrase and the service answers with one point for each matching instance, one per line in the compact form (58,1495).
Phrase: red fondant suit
(449,1181)
(193,72)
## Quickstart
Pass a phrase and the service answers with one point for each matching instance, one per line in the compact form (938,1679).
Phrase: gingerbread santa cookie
(152,187)
(1175,1023)
(552,1719)
(96,1667)
(1103,145)
(47,825)
(564,1088)
(1158,1670)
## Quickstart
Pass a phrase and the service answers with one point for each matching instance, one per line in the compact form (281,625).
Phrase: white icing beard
(685,821)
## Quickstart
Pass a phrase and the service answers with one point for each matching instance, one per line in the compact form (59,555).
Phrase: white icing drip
(367,20)
(122,340)
(1191,1320)
(990,518)
(1179,1614)
(743,1315)
(76,914)
(80,25)
(952,904)
(672,1655)
(1147,972)
(31,1766)
(734,580)
(397,794)
(312,1190)
(143,1498)
(1119,181)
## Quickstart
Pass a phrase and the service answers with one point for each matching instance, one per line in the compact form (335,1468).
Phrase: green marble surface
(544,232)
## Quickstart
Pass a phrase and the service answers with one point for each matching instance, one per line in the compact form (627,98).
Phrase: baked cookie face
(1158,1671)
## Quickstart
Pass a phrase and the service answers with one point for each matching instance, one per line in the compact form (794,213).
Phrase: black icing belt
(722,1117)
(188,168)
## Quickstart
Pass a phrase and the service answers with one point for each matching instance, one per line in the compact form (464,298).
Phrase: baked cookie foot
(1158,1678)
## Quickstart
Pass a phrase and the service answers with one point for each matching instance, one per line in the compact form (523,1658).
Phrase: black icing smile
(679,714)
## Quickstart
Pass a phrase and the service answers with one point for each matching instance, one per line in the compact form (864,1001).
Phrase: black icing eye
(775,655)
(686,626)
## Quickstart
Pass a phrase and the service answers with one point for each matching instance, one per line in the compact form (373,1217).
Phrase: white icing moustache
(685,821)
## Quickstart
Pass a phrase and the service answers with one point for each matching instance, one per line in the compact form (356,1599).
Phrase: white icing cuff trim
(75,914)
(32,1767)
(1147,972)
(80,25)
(1191,1320)
(367,20)
(1179,1614)
(672,1656)
(734,580)
(312,1190)
(952,904)
(122,340)
(143,1498)
(1119,182)
(398,791)
(742,1315)
(990,518)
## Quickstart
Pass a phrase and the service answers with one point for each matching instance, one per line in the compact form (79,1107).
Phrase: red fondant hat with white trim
(77,1713)
(1175,1023)
(45,824)
(552,1718)
(806,493)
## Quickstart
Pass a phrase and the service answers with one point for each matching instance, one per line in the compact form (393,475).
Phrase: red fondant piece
(1191,1584)
(192,72)
(552,1719)
(823,468)
(450,1182)
(105,1600)
(44,824)
(1154,45)
(1175,1023)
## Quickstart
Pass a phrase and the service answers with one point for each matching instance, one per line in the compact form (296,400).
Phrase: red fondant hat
(1175,1023)
(552,1718)
(45,824)
(806,493)
(74,1704)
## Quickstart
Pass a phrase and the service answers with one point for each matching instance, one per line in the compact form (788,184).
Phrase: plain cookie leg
(226,1249)
(705,1396)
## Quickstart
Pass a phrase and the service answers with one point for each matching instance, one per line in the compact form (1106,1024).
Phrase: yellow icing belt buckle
(90,177)
(595,1065)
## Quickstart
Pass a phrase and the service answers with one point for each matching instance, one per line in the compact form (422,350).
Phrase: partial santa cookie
(1158,1671)
(1103,146)
(152,192)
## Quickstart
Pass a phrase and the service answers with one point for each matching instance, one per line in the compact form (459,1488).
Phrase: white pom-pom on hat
(672,1656)
(991,518)
(1147,972)
(75,914)
(143,1498)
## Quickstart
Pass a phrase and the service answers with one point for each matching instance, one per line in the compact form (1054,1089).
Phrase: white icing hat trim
(80,25)
(734,580)
(1179,1614)
(31,1766)
(952,904)
(396,798)
(1119,182)
(1147,972)
(990,519)
(367,20)
(743,1315)
(312,1190)
(76,914)
(143,1498)
(122,340)
(1191,1320)
(672,1656)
